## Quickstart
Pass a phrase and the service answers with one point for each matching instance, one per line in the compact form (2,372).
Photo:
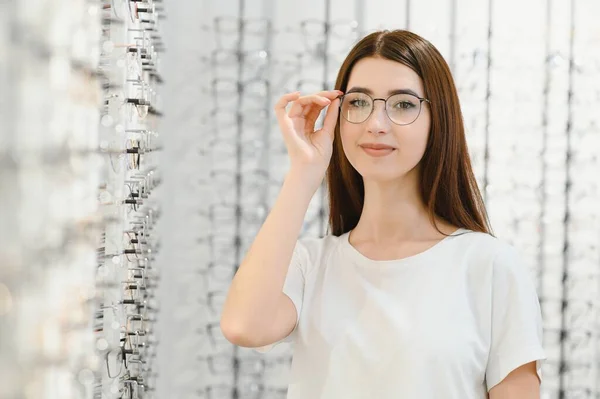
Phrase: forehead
(381,75)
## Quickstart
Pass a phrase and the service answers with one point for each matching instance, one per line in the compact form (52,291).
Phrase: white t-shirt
(449,322)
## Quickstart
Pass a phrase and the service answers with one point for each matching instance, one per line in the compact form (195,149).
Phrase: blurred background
(139,155)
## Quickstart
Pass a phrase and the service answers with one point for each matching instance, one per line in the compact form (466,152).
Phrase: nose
(378,121)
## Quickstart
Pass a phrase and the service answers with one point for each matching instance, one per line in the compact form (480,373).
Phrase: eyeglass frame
(421,99)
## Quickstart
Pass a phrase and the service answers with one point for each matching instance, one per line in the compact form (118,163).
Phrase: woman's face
(379,78)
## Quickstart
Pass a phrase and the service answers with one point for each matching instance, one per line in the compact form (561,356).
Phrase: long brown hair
(447,184)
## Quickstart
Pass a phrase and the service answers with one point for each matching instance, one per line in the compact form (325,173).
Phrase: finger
(330,94)
(303,105)
(332,116)
(299,108)
(313,114)
(313,98)
(285,124)
(311,117)
(283,102)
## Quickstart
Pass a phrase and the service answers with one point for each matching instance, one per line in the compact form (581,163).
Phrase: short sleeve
(293,288)
(516,329)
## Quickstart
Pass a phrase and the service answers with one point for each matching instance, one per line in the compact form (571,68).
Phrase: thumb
(331,117)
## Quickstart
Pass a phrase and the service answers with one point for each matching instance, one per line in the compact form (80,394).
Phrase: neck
(394,211)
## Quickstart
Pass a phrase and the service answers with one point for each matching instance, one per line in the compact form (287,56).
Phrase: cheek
(413,142)
(419,130)
(425,121)
(350,135)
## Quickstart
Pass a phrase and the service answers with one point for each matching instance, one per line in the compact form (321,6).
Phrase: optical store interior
(195,205)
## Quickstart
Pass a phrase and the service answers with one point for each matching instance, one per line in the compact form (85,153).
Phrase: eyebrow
(390,93)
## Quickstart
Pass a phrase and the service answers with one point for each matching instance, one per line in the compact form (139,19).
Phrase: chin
(379,174)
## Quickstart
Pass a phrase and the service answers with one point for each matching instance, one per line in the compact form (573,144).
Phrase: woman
(410,295)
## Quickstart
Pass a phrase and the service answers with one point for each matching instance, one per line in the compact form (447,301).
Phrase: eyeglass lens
(402,109)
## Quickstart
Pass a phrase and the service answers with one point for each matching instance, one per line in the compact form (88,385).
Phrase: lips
(376,146)
(380,150)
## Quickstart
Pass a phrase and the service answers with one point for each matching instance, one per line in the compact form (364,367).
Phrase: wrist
(303,180)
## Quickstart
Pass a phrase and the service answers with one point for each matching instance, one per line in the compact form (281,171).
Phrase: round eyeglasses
(402,109)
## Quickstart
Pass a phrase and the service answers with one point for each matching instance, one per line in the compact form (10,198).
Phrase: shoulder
(314,251)
(495,259)
(485,246)
(501,252)
(489,256)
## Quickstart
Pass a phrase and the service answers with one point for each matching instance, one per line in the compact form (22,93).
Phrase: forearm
(258,283)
